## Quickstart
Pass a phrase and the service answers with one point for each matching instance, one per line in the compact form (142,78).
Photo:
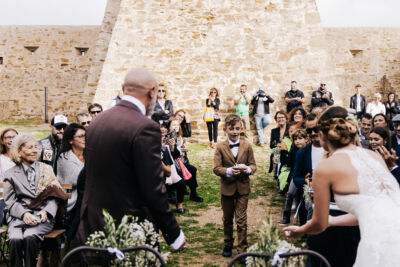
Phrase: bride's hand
(292,231)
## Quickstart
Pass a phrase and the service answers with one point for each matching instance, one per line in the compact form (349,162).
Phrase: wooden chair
(52,235)
(106,252)
(56,234)
(323,262)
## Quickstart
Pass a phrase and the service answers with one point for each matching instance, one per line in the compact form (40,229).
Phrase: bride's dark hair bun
(339,130)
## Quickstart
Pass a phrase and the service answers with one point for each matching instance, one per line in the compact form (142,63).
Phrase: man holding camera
(321,97)
(261,114)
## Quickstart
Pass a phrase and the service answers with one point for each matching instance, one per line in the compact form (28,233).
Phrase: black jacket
(210,105)
(363,103)
(267,99)
(318,101)
(158,113)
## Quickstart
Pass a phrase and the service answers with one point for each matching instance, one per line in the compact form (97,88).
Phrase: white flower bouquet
(270,243)
(129,233)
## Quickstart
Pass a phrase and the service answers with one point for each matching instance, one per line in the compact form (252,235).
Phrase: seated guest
(277,134)
(376,107)
(364,127)
(380,120)
(176,128)
(71,162)
(163,109)
(392,106)
(297,115)
(95,109)
(300,140)
(396,136)
(169,152)
(379,141)
(378,137)
(6,138)
(184,121)
(83,119)
(28,192)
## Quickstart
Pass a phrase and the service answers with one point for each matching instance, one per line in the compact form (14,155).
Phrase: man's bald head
(138,79)
(141,84)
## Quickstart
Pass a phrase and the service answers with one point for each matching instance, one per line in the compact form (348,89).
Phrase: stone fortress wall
(34,57)
(193,46)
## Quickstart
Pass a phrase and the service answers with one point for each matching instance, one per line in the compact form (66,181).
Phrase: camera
(171,135)
(260,92)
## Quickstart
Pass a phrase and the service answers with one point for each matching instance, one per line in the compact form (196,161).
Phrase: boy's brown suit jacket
(223,159)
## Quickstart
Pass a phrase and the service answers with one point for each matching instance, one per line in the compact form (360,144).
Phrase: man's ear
(123,89)
(152,92)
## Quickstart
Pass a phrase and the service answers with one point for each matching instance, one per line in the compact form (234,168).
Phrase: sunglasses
(95,112)
(163,91)
(323,84)
(311,130)
(60,127)
(85,123)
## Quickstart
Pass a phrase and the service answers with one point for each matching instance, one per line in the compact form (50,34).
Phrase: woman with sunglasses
(212,126)
(71,162)
(163,109)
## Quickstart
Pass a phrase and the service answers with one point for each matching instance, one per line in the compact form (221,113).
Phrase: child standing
(300,140)
(234,163)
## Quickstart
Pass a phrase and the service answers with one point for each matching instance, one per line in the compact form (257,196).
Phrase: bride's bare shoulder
(337,163)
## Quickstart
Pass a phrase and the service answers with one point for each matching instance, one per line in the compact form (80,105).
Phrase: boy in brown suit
(234,163)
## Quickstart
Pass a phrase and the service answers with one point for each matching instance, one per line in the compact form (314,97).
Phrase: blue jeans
(261,122)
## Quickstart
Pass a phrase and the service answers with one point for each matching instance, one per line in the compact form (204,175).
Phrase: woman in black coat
(278,133)
(212,126)
(163,109)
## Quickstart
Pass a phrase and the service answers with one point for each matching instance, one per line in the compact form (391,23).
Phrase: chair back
(106,252)
(323,261)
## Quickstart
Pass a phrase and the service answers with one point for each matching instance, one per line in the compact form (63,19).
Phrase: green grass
(208,240)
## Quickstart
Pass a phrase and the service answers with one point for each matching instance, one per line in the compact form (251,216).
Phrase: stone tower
(195,45)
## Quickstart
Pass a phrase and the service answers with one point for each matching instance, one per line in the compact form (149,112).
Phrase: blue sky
(334,13)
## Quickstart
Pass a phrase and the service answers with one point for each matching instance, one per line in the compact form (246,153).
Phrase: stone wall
(101,48)
(195,45)
(56,63)
(368,56)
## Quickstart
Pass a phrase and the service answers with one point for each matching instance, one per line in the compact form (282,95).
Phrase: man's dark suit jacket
(395,146)
(123,172)
(363,103)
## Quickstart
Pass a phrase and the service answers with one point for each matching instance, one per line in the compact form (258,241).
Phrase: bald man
(123,164)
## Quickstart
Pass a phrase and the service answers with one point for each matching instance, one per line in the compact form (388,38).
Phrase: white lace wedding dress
(377,209)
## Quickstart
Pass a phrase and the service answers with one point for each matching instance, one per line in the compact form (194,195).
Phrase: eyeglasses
(311,130)
(60,127)
(82,136)
(85,123)
(95,112)
(9,137)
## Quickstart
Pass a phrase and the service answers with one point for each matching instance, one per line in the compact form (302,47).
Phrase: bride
(362,186)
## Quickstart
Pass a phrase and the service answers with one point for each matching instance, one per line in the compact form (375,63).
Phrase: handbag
(185,172)
(208,115)
(174,178)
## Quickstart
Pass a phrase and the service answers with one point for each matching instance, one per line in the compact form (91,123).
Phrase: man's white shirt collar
(136,102)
